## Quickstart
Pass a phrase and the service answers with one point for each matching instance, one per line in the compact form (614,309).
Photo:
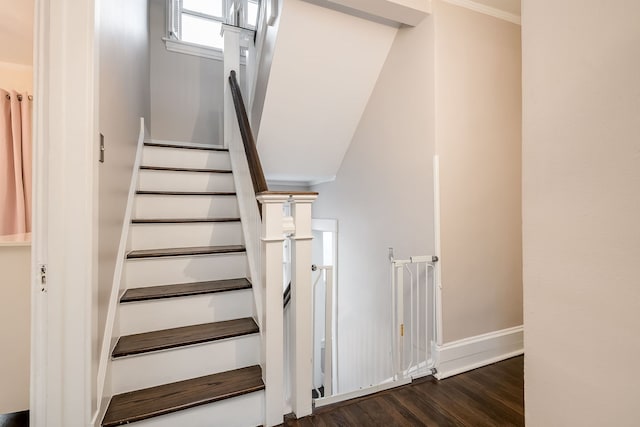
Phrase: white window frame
(173,40)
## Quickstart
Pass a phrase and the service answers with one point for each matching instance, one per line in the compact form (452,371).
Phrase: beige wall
(382,197)
(581,205)
(124,98)
(16,76)
(478,140)
(186,90)
(452,85)
(15,303)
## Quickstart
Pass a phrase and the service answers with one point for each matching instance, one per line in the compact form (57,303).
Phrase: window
(194,26)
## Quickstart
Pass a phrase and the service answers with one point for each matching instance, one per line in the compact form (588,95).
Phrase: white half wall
(15,330)
(324,69)
(186,90)
(581,205)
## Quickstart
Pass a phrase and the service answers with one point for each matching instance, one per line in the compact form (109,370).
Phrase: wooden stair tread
(184,289)
(150,402)
(186,335)
(186,193)
(186,147)
(197,250)
(172,169)
(180,220)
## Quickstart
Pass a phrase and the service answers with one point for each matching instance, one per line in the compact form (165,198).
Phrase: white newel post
(301,299)
(231,37)
(272,237)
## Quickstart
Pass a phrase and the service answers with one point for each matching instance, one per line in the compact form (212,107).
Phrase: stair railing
(265,228)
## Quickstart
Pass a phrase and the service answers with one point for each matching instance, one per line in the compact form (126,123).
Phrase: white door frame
(63,334)
(331,225)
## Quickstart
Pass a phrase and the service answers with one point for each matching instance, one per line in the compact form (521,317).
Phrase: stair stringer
(111,325)
(251,225)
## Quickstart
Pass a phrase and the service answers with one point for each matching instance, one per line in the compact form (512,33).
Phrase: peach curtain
(15,162)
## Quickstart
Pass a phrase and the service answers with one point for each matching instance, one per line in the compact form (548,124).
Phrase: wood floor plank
(494,409)
(428,410)
(356,415)
(198,250)
(184,289)
(142,404)
(490,396)
(187,335)
(464,410)
(375,411)
(399,412)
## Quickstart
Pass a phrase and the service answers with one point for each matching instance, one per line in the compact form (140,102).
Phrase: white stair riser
(171,270)
(182,158)
(152,206)
(152,236)
(163,367)
(153,180)
(147,316)
(242,411)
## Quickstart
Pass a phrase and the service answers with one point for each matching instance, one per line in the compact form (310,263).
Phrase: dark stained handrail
(253,159)
(286,297)
(251,151)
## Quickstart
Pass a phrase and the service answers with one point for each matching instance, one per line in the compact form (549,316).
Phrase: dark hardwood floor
(490,396)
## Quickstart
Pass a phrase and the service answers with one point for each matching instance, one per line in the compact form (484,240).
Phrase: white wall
(382,197)
(478,140)
(186,90)
(581,204)
(124,98)
(15,312)
(16,76)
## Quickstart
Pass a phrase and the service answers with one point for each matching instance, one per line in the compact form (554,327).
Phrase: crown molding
(487,10)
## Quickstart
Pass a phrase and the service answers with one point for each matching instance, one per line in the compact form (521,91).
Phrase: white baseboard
(474,352)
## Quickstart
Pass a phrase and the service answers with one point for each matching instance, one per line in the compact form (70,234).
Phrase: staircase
(188,351)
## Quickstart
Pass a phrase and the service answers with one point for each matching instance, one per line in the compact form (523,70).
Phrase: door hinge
(43,278)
